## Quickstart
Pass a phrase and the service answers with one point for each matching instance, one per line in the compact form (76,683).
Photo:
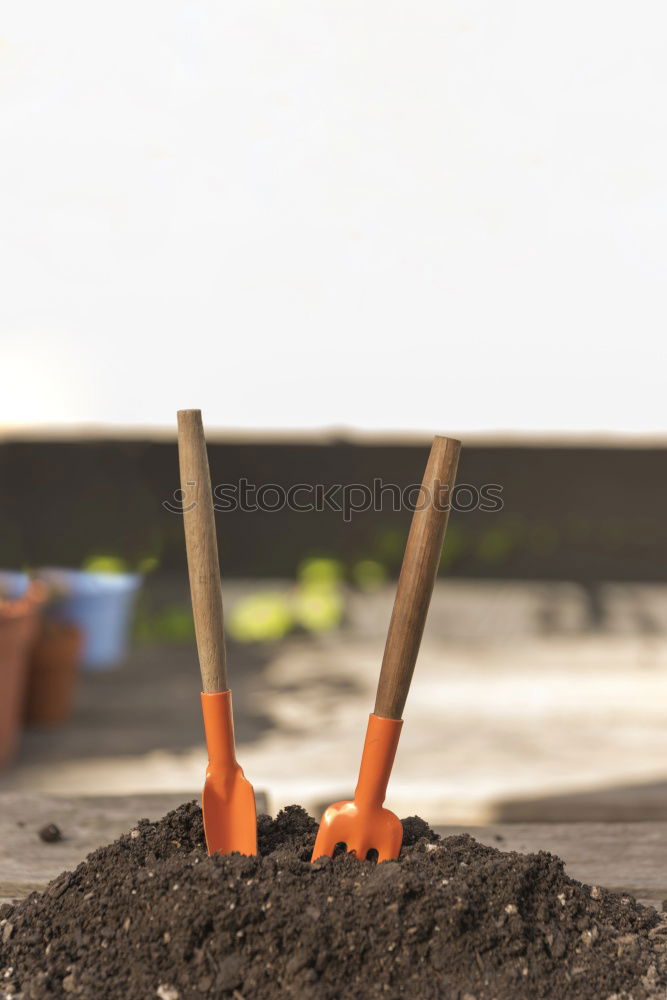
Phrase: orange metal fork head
(228,801)
(364,825)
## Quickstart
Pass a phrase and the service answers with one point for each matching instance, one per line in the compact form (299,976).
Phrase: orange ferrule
(219,728)
(377,759)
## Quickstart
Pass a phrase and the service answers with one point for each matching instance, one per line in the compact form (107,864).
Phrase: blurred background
(337,230)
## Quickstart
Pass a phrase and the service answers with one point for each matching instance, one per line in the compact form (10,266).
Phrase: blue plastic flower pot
(13,584)
(101,604)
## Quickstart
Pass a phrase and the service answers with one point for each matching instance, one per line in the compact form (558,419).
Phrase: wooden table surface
(624,857)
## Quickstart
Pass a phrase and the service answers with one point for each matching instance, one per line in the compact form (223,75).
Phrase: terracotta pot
(52,672)
(19,621)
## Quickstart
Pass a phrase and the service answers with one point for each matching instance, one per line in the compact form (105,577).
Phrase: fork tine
(391,844)
(325,842)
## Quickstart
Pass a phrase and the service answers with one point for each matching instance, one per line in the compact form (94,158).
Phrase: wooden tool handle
(202,549)
(415,583)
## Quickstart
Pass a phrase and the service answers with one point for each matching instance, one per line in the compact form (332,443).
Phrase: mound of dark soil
(151,916)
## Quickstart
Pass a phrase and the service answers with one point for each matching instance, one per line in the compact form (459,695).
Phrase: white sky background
(444,215)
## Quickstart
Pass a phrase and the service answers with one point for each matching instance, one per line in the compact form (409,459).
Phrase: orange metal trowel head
(228,800)
(364,825)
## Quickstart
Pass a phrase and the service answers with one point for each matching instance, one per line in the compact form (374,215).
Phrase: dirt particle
(229,973)
(166,992)
(50,833)
(588,937)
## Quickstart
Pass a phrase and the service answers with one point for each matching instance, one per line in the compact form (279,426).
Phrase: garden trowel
(228,801)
